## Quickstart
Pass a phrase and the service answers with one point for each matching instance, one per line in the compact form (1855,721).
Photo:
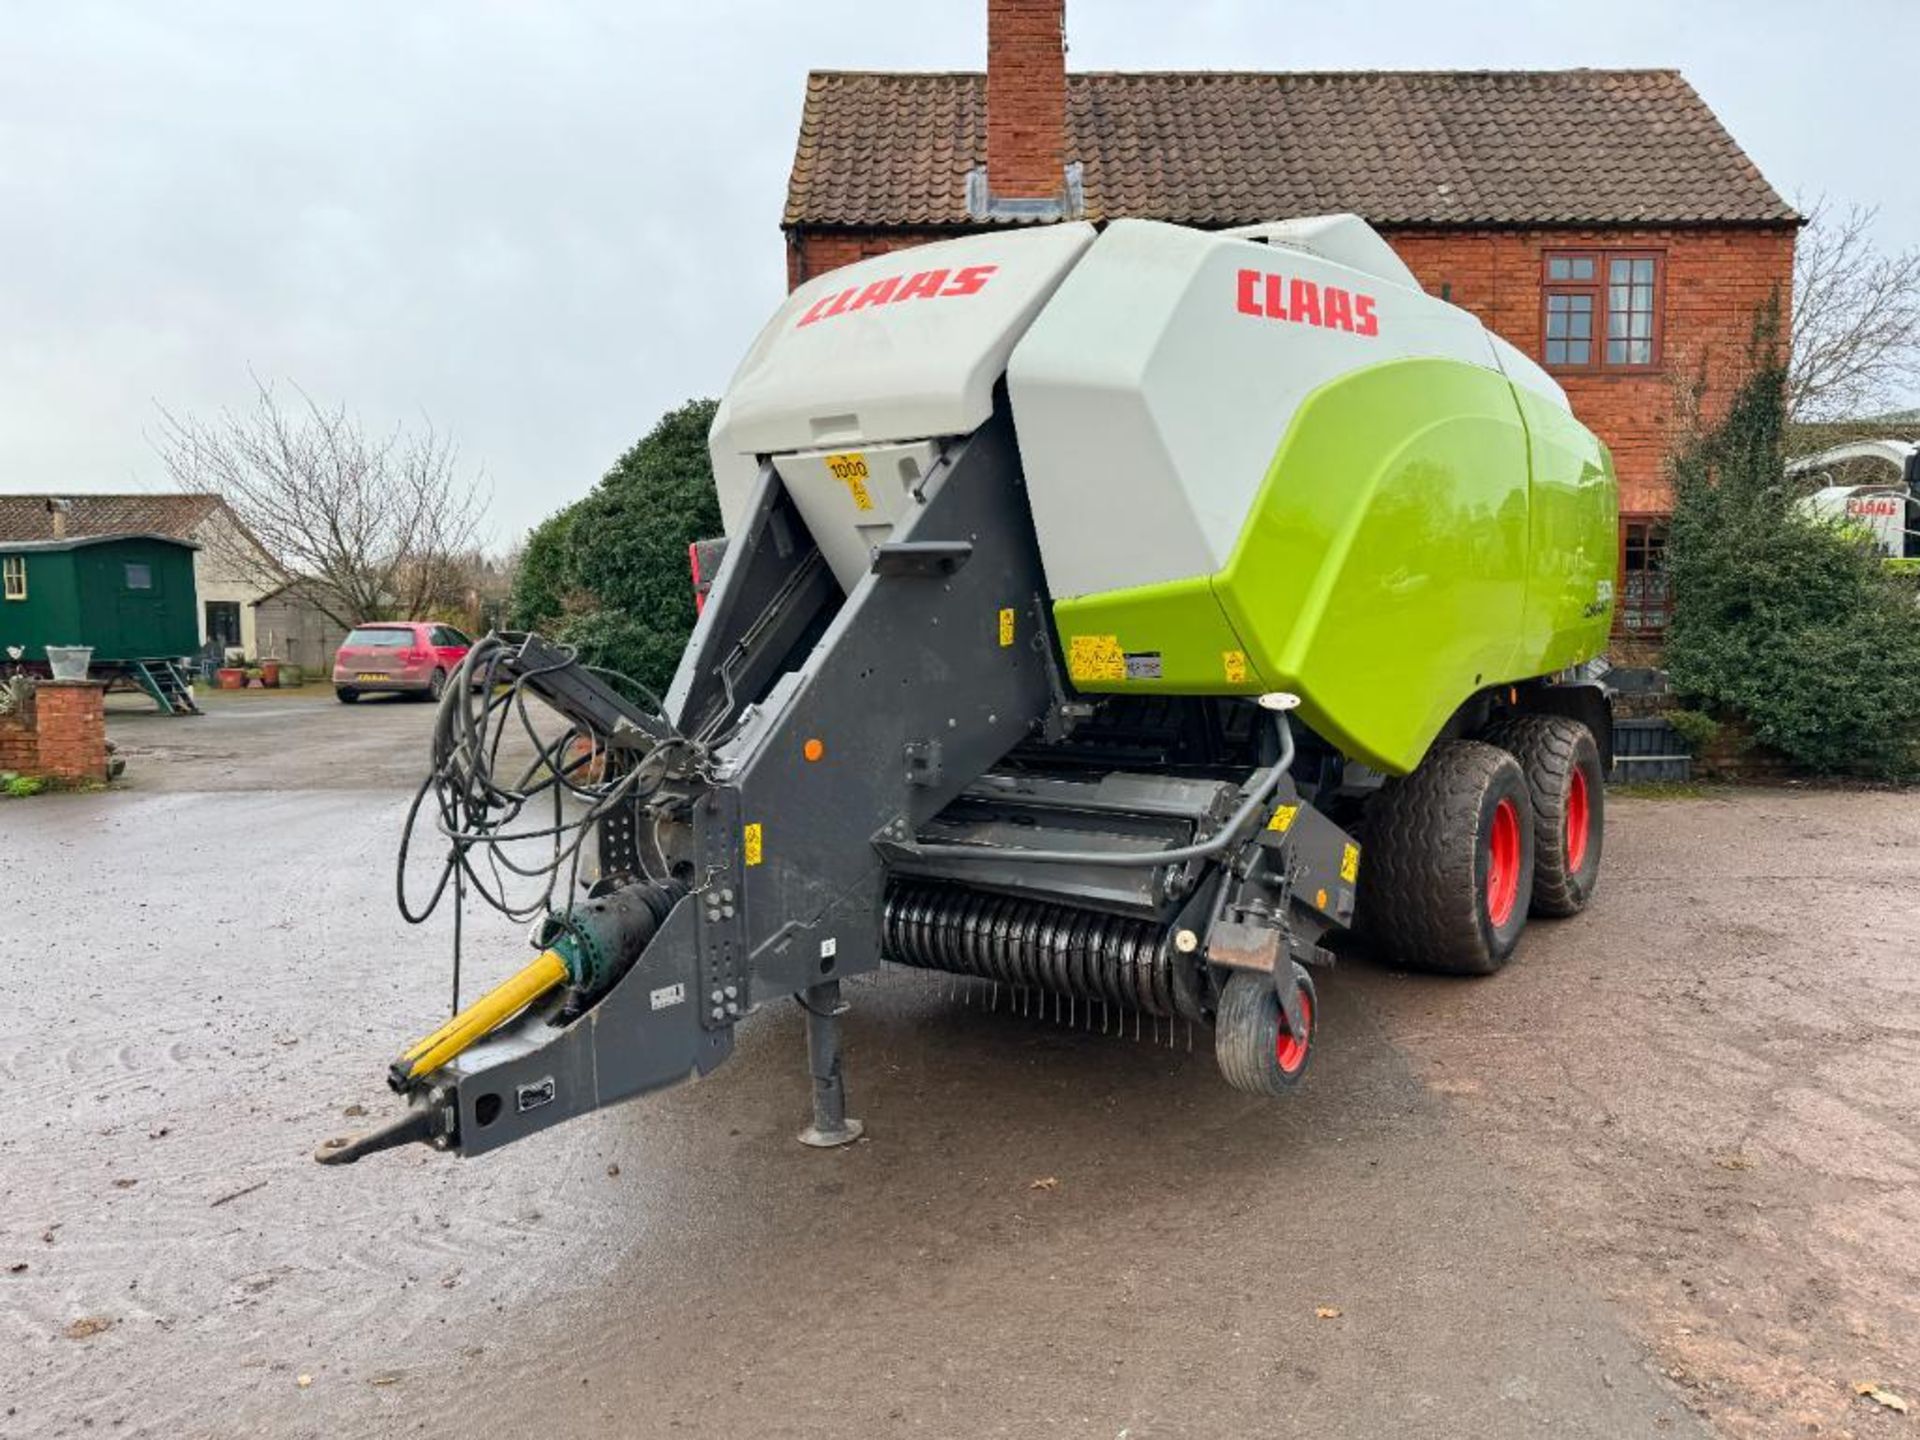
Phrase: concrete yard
(1660,1178)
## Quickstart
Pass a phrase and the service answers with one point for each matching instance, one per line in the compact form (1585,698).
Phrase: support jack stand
(830,1126)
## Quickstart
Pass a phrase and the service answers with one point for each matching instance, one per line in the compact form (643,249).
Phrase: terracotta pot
(230,679)
(270,674)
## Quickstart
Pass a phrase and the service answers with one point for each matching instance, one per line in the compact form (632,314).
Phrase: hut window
(15,570)
(139,577)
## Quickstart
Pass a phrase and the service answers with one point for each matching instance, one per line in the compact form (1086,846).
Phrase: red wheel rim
(1503,863)
(1290,1051)
(1578,821)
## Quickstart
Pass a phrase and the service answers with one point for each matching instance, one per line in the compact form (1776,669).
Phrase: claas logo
(1276,297)
(895,289)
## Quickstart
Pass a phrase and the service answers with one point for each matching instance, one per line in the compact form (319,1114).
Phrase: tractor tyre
(346,694)
(1448,862)
(1562,765)
(1255,1051)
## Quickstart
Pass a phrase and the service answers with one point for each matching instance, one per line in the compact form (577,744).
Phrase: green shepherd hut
(130,597)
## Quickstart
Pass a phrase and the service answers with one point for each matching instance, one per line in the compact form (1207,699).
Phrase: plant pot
(270,674)
(230,678)
(292,677)
(69,662)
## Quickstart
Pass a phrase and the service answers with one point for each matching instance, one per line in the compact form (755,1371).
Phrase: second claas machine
(1110,616)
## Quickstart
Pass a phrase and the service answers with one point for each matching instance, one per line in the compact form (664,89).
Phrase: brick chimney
(1026,172)
(57,516)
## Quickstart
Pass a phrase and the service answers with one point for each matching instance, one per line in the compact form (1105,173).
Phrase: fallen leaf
(1046,1182)
(88,1325)
(613,1170)
(1884,1398)
(354,1110)
(1326,1312)
(125,1184)
(1733,1162)
(304,1381)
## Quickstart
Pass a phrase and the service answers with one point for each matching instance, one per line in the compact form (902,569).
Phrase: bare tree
(380,525)
(1856,319)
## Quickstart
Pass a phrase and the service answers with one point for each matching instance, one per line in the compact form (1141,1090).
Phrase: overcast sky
(541,224)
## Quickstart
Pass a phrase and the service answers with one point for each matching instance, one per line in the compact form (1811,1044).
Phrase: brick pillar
(71,717)
(1026,99)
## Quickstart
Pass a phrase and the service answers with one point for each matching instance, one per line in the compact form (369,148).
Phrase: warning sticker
(1234,662)
(1283,818)
(1006,628)
(1143,664)
(1350,864)
(750,843)
(851,471)
(1096,657)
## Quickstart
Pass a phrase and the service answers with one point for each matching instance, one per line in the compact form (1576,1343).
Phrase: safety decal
(668,995)
(1143,664)
(750,843)
(1350,864)
(1283,818)
(851,471)
(1006,628)
(1234,662)
(1096,657)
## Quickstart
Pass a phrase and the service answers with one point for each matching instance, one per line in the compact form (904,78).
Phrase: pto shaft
(480,1019)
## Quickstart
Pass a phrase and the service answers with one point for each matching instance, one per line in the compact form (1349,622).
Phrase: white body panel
(1880,510)
(1149,401)
(851,499)
(874,353)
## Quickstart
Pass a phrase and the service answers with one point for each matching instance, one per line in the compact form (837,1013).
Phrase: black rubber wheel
(1250,1037)
(437,685)
(1448,862)
(346,694)
(1568,789)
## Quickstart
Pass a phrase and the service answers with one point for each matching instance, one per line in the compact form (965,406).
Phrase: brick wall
(62,735)
(1714,280)
(1026,98)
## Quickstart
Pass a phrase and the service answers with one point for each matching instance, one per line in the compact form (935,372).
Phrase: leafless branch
(1856,319)
(379,525)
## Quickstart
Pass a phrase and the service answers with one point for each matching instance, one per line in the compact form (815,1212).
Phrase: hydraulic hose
(1257,801)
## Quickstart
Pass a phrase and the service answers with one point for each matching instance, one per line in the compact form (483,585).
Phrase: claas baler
(1112,617)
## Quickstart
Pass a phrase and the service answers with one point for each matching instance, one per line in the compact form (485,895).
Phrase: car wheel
(346,694)
(437,685)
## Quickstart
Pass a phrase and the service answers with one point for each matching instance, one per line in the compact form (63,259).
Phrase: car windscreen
(393,638)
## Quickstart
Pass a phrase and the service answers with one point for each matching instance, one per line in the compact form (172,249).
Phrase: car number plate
(366,675)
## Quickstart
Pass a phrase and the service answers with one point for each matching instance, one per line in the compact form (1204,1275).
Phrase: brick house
(1602,220)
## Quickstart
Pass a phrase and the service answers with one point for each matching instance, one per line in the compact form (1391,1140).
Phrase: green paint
(1424,530)
(80,595)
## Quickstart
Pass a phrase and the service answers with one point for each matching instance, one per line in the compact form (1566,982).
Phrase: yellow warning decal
(1350,864)
(850,469)
(1006,628)
(1096,657)
(1283,818)
(750,842)
(1234,662)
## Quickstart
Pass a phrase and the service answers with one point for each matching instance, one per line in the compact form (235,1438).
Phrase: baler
(1111,617)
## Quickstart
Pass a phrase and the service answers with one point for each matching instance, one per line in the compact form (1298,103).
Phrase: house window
(1602,310)
(139,577)
(1646,599)
(14,569)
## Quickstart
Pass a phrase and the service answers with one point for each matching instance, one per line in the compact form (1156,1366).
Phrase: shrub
(21,786)
(1790,622)
(1696,729)
(609,573)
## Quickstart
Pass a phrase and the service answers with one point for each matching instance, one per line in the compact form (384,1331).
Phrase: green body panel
(80,596)
(1424,531)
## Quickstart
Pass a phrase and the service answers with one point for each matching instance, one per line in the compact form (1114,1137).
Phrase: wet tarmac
(1665,1167)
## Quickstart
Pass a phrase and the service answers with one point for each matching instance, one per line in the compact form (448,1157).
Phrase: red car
(401,657)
